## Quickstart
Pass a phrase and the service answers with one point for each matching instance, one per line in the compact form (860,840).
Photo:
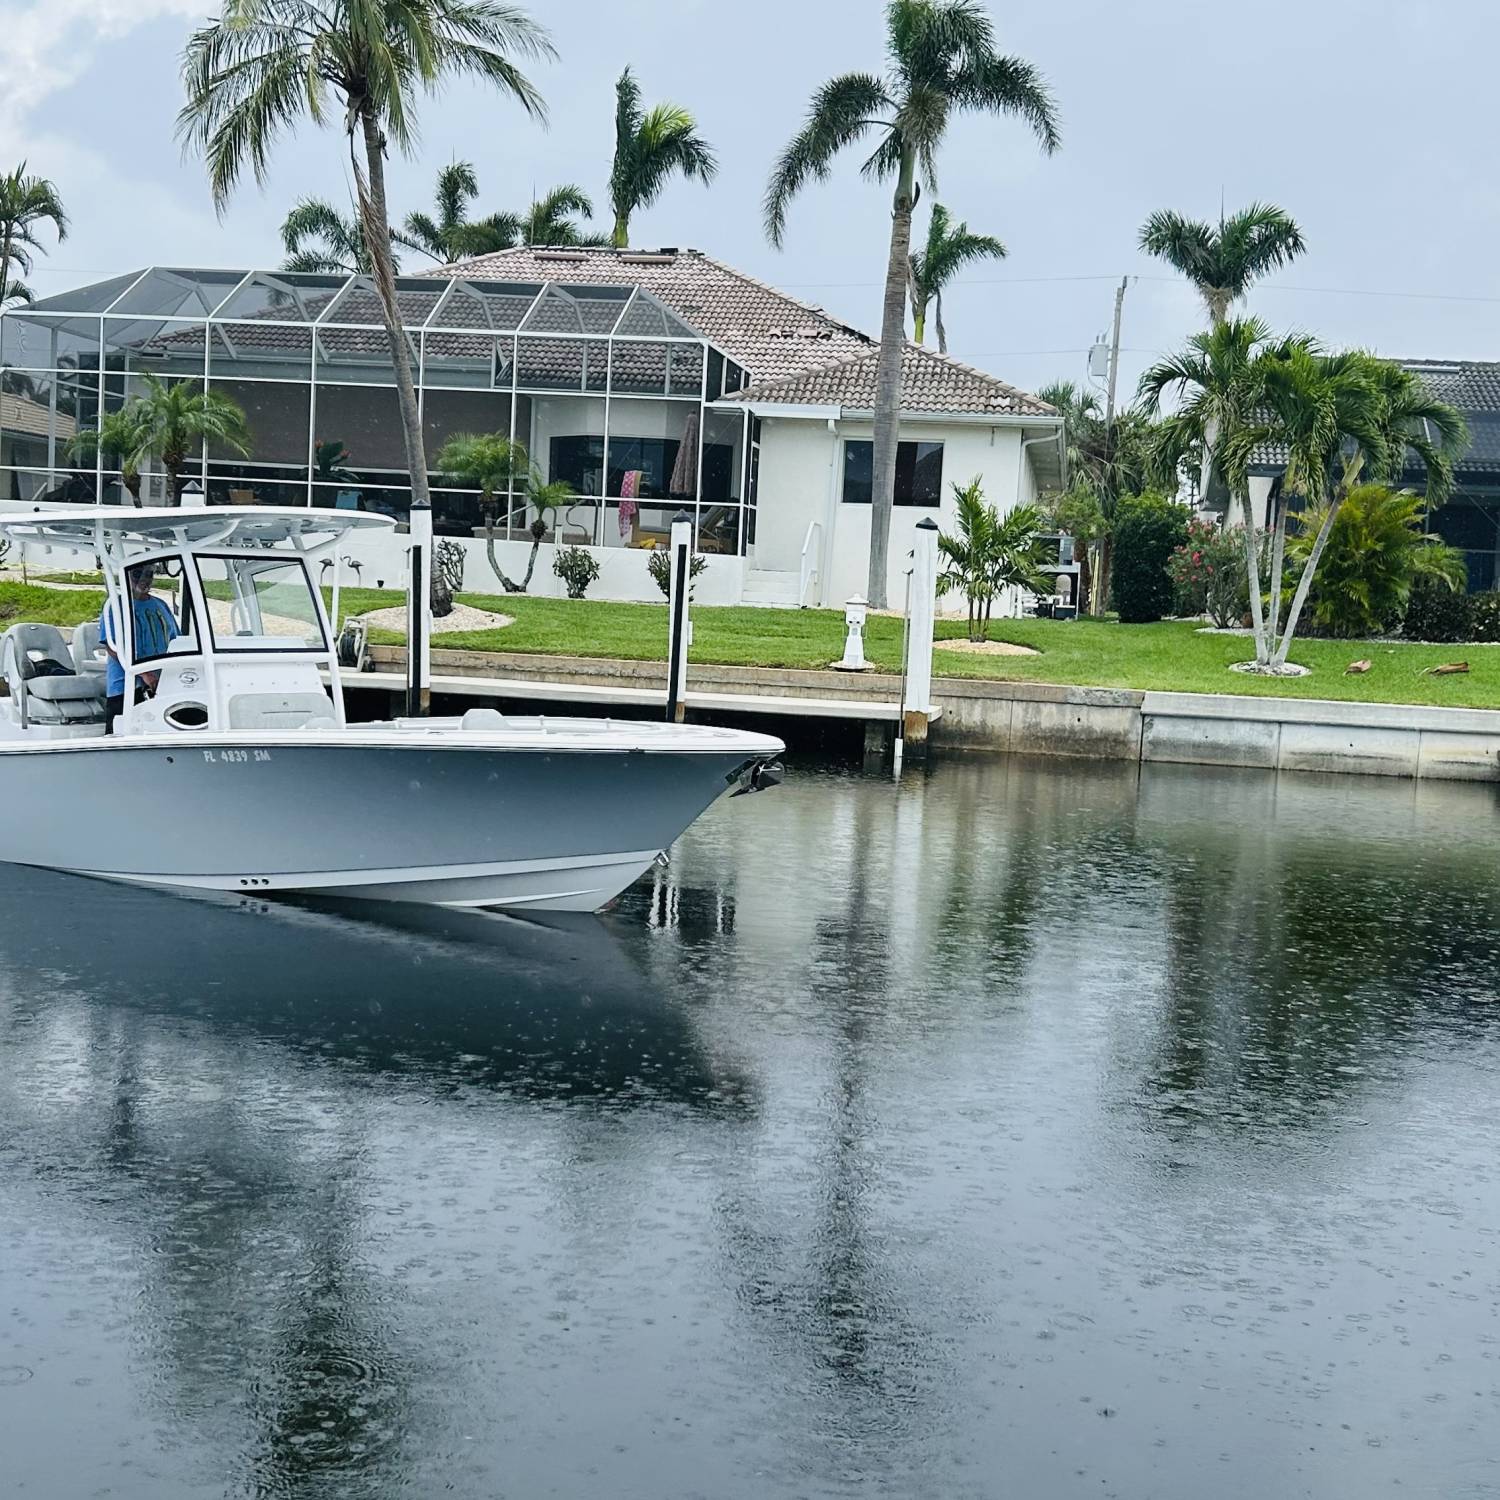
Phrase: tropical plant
(1208,574)
(1104,462)
(659,565)
(318,238)
(491,463)
(437,236)
(264,63)
(1224,262)
(1148,529)
(173,420)
(989,555)
(118,433)
(1436,612)
(949,248)
(1340,417)
(26,203)
(1377,548)
(651,146)
(942,62)
(578,568)
(452,235)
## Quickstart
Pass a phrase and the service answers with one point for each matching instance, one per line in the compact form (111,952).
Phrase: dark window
(577,462)
(919,473)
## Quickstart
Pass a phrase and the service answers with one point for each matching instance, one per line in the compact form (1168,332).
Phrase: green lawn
(1172,655)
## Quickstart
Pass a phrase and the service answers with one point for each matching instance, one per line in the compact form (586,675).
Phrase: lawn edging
(1040,718)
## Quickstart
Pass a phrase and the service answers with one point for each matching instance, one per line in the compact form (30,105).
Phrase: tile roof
(1472,386)
(930,382)
(22,414)
(768,332)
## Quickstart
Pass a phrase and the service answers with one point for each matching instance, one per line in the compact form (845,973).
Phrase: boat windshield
(260,604)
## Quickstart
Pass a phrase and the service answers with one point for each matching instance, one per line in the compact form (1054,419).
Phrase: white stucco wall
(801,480)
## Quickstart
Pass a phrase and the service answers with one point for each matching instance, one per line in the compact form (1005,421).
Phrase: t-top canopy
(160,526)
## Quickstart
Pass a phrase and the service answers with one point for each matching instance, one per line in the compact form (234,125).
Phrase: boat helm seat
(89,655)
(37,664)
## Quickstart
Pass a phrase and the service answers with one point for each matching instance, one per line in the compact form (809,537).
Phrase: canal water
(1028,1131)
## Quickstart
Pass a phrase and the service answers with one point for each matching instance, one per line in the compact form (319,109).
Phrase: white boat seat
(37,664)
(89,654)
(277,710)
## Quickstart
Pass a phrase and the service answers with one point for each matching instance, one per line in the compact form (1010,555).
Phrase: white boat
(238,770)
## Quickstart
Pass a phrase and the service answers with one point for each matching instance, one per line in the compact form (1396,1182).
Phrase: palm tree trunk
(1252,564)
(888,380)
(919,323)
(508,584)
(942,332)
(1100,599)
(621,237)
(378,238)
(5,267)
(1294,614)
(1278,555)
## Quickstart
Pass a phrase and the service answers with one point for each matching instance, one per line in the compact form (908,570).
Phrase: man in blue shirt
(153,626)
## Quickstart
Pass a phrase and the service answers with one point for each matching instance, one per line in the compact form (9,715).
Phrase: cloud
(51,44)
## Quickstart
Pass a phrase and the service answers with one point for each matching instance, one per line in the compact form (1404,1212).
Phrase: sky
(1369,121)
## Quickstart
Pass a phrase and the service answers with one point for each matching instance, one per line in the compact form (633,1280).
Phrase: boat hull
(408,818)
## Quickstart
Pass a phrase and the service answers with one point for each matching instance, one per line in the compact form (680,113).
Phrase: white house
(645,382)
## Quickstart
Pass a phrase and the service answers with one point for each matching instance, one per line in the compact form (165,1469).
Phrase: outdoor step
(770,586)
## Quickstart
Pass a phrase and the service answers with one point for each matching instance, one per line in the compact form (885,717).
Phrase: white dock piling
(680,625)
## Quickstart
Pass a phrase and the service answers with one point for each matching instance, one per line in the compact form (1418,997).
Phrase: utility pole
(1114,356)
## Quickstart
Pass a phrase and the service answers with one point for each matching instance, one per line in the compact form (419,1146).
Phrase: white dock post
(679,623)
(419,615)
(919,649)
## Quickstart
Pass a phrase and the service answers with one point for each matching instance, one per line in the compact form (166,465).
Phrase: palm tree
(491,463)
(942,62)
(1223,263)
(1339,417)
(989,554)
(550,220)
(950,247)
(119,432)
(263,63)
(26,203)
(174,421)
(452,235)
(650,145)
(317,237)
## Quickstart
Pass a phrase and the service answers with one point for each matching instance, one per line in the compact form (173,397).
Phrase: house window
(919,473)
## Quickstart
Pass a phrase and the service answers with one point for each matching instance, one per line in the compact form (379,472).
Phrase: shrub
(659,565)
(1435,612)
(1209,575)
(577,568)
(1485,613)
(1376,551)
(1148,528)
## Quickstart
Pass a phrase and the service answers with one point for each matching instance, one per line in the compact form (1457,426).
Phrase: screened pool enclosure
(612,395)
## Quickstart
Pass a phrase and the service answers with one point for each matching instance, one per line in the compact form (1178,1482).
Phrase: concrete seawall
(1032,718)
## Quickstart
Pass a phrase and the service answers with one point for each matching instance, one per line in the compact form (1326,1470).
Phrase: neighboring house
(648,382)
(29,432)
(1470,519)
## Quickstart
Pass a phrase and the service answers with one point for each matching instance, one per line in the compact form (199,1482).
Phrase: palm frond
(842,111)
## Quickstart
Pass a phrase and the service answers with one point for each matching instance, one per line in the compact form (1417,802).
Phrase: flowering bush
(1208,574)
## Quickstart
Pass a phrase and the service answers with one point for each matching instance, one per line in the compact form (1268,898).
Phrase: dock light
(855,612)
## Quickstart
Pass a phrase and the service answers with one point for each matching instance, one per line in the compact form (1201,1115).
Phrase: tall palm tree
(650,146)
(174,421)
(1224,262)
(26,203)
(264,63)
(317,237)
(942,62)
(950,247)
